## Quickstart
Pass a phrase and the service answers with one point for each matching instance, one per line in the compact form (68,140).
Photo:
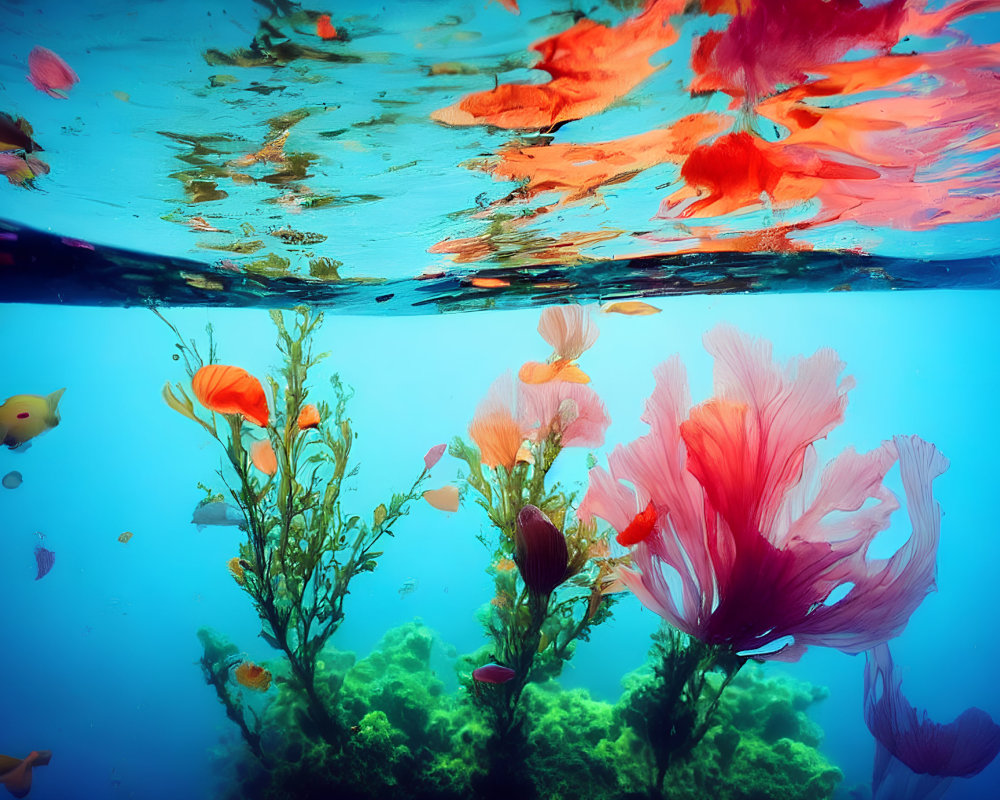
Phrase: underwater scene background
(102,658)
(276,521)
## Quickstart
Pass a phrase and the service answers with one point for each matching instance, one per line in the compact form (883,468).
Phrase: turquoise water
(101,658)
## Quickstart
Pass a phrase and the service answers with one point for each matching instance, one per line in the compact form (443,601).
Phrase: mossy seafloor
(412,739)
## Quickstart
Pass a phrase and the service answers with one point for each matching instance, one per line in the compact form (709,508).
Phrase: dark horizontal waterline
(38,267)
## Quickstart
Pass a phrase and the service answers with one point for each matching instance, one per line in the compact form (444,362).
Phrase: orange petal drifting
(631,308)
(253,677)
(231,390)
(639,528)
(262,456)
(443,499)
(308,418)
(324,30)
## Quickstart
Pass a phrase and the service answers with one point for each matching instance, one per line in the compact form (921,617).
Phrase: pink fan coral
(747,546)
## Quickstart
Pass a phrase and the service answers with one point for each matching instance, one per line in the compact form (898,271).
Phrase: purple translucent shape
(493,673)
(540,551)
(916,757)
(434,455)
(45,560)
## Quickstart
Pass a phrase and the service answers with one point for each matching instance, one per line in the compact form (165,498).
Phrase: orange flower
(231,390)
(253,677)
(308,418)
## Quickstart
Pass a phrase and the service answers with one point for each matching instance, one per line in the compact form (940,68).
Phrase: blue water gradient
(98,661)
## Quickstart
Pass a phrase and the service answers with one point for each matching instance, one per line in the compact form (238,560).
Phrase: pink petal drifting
(434,455)
(750,540)
(49,73)
(443,499)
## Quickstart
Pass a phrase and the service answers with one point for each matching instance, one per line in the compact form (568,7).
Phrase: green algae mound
(413,739)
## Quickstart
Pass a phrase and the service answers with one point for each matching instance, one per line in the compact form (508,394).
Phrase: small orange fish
(631,308)
(504,565)
(443,499)
(640,527)
(253,677)
(308,418)
(324,30)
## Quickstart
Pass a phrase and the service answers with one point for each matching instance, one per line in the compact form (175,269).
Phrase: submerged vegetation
(691,518)
(302,548)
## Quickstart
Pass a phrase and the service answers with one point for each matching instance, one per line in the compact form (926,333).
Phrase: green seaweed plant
(532,629)
(672,710)
(301,550)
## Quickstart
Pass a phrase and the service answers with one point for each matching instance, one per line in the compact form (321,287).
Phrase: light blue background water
(98,659)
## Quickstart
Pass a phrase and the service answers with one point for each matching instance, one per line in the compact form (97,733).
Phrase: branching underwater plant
(301,550)
(551,571)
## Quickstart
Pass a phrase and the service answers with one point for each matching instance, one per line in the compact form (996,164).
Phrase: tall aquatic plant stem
(301,550)
(673,710)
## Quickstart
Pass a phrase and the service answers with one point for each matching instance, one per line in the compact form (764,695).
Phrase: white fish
(215,512)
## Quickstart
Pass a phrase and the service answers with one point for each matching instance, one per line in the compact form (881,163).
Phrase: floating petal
(231,390)
(262,456)
(45,559)
(434,455)
(49,73)
(444,499)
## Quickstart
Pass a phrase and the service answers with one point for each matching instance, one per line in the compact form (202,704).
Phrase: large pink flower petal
(572,409)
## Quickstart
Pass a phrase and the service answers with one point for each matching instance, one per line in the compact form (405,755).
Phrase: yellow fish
(25,416)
